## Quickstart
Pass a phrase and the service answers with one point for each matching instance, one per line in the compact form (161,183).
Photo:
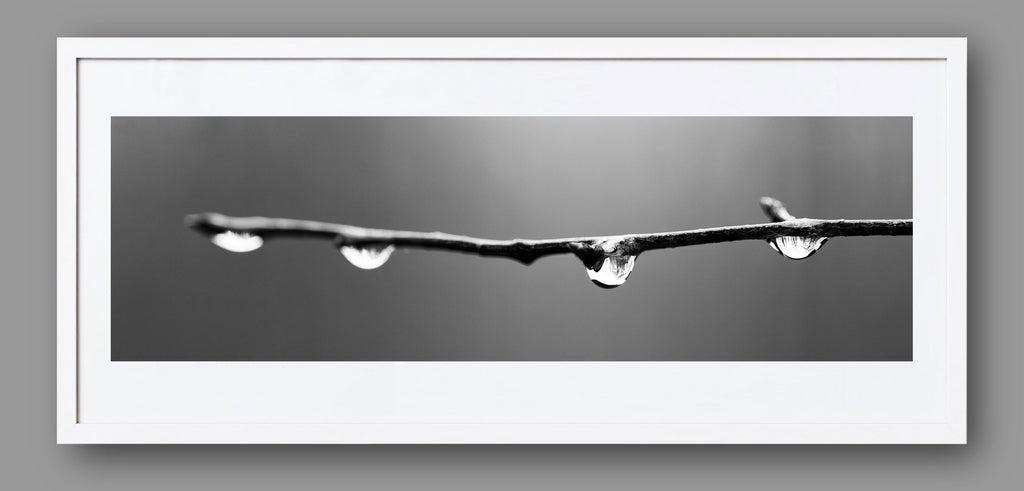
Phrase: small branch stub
(775,210)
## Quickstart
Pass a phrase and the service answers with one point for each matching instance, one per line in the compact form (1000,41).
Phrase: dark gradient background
(177,297)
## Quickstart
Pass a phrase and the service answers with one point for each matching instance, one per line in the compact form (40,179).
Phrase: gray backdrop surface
(991,460)
(175,297)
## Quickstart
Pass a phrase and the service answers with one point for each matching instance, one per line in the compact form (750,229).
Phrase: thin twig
(588,249)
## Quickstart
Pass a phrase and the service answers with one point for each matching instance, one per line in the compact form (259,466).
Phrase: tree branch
(589,249)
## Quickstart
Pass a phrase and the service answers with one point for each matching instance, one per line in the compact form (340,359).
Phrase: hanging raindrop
(797,247)
(237,241)
(611,271)
(367,257)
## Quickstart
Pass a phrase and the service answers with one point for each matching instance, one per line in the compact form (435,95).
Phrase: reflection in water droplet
(611,271)
(237,241)
(797,247)
(371,257)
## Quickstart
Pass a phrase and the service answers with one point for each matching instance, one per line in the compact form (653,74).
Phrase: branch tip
(775,209)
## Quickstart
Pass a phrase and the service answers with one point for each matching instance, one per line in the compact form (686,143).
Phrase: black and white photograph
(498,241)
(511,239)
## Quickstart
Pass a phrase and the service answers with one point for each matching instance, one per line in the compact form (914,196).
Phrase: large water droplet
(367,257)
(797,247)
(611,271)
(237,241)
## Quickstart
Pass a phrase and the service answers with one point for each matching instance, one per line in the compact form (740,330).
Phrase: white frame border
(71,50)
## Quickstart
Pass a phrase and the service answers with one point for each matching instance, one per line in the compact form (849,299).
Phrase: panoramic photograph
(558,239)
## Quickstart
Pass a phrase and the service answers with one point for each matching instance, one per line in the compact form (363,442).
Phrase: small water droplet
(367,257)
(237,241)
(611,271)
(797,247)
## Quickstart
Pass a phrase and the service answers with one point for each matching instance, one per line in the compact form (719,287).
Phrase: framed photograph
(511,240)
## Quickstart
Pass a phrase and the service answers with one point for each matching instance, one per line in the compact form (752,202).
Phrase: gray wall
(175,297)
(996,431)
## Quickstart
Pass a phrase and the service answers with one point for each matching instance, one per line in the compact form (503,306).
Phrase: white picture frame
(923,401)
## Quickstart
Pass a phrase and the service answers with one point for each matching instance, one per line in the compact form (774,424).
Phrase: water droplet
(237,241)
(797,247)
(611,271)
(367,257)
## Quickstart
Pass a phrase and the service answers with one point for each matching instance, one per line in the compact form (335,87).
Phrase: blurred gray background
(177,297)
